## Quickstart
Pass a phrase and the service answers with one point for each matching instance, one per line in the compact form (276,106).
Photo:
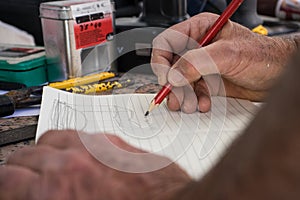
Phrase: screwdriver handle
(7,106)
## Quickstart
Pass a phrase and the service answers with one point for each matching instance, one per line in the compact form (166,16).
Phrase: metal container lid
(60,9)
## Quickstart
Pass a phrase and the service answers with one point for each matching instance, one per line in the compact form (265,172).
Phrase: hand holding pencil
(233,50)
(208,36)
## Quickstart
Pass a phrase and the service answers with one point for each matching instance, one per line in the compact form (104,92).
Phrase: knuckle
(186,65)
(156,41)
(75,161)
(160,42)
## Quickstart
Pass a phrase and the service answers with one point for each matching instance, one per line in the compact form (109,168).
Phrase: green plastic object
(31,72)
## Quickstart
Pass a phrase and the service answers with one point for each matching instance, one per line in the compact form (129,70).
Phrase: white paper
(195,141)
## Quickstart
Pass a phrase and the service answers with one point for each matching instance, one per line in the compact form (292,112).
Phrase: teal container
(31,72)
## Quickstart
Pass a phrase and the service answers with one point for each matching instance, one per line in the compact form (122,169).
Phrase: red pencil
(210,34)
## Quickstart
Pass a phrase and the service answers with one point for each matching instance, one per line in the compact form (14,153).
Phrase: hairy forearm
(293,38)
(285,46)
(277,51)
(264,162)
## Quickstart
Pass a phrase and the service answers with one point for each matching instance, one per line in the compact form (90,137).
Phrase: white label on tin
(103,6)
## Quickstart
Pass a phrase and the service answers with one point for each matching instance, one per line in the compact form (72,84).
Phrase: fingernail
(204,103)
(175,78)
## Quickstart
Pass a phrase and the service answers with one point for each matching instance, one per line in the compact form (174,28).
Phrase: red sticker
(92,33)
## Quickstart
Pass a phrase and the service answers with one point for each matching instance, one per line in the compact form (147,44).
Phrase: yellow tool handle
(100,87)
(82,80)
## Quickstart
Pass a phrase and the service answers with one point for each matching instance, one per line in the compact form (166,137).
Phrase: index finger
(61,139)
(167,47)
(176,41)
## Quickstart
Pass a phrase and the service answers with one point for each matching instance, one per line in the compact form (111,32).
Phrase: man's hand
(60,167)
(245,62)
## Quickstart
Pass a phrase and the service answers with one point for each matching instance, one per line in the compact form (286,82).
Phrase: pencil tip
(147,113)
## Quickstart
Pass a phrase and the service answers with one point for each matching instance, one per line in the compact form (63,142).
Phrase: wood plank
(17,129)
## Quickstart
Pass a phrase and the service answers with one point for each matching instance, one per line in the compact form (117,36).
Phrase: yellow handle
(99,87)
(82,80)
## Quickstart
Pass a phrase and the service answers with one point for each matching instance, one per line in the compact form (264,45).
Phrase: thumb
(191,67)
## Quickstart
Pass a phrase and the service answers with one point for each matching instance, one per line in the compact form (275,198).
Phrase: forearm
(281,52)
(264,162)
(293,38)
(263,59)
(285,47)
(277,53)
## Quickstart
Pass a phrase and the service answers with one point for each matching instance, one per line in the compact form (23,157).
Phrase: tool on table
(19,99)
(100,87)
(82,80)
(29,96)
(4,85)
(210,34)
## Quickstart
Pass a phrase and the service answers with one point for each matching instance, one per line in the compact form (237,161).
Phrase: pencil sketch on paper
(64,116)
(191,140)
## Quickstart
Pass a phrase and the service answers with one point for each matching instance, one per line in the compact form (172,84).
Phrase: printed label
(88,34)
(93,7)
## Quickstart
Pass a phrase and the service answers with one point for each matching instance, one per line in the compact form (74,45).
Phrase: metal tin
(75,31)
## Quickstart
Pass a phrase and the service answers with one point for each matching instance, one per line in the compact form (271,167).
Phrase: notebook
(194,141)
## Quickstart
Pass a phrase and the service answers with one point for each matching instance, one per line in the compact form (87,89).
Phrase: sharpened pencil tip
(147,113)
